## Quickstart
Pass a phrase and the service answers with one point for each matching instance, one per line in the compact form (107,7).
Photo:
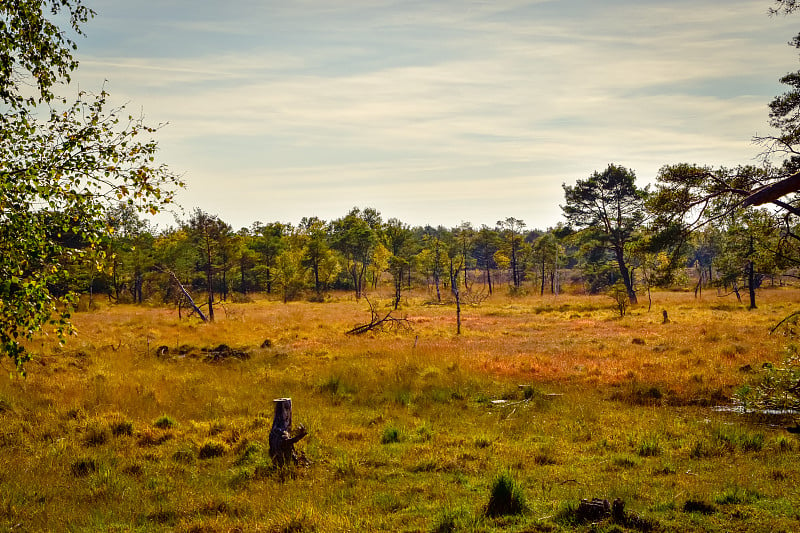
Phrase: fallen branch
(796,313)
(379,323)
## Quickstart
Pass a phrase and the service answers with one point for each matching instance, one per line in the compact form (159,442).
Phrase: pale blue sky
(434,112)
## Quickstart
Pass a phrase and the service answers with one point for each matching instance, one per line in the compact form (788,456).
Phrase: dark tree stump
(596,509)
(281,439)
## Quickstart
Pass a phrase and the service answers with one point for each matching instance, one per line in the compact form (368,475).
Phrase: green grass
(405,434)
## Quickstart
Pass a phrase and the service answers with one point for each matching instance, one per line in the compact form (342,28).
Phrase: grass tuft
(96,436)
(506,497)
(164,422)
(698,506)
(83,467)
(122,428)
(390,435)
(210,449)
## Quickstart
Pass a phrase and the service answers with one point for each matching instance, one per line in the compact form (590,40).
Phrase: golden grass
(610,407)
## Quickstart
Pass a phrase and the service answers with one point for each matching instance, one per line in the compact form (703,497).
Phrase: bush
(506,497)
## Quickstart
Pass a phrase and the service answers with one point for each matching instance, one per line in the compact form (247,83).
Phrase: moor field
(552,399)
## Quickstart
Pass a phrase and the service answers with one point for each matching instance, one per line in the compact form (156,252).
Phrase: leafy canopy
(60,171)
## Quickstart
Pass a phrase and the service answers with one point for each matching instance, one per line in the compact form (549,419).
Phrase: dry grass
(110,433)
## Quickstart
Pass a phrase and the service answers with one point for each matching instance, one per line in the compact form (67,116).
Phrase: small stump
(281,437)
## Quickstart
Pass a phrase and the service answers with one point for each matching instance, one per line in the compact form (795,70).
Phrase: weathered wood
(772,192)
(592,510)
(378,323)
(281,438)
(186,294)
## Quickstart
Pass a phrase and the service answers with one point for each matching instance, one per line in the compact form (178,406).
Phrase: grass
(406,430)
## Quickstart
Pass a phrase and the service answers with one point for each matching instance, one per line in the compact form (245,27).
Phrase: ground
(409,430)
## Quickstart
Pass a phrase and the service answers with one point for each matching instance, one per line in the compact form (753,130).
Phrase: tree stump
(281,439)
(596,509)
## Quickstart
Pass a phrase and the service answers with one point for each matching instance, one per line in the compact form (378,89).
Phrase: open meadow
(539,403)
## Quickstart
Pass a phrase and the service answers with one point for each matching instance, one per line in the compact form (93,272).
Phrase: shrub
(506,497)
(183,455)
(735,496)
(624,461)
(153,438)
(249,453)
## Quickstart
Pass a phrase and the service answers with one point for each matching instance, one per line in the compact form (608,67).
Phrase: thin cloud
(400,100)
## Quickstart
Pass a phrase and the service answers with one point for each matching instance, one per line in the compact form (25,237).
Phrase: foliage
(57,181)
(609,208)
(619,294)
(59,171)
(355,237)
(34,49)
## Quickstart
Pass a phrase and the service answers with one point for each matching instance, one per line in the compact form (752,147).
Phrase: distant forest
(615,237)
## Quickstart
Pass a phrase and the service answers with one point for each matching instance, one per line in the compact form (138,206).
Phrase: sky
(433,112)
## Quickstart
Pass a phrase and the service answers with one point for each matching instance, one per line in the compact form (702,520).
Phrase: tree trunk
(398,287)
(751,284)
(281,439)
(187,296)
(626,275)
(541,293)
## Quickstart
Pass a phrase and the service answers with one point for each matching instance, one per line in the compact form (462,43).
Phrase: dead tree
(281,438)
(185,294)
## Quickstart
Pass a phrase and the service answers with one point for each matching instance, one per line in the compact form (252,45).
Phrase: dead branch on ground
(379,323)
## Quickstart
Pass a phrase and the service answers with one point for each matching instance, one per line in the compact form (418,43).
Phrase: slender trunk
(541,293)
(626,275)
(458,313)
(398,286)
(210,281)
(356,281)
(317,285)
(514,266)
(115,278)
(138,284)
(751,284)
(735,289)
(225,285)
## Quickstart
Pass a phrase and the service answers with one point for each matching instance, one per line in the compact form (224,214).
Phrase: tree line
(615,234)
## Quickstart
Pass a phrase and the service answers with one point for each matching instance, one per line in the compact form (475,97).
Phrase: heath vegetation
(539,403)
